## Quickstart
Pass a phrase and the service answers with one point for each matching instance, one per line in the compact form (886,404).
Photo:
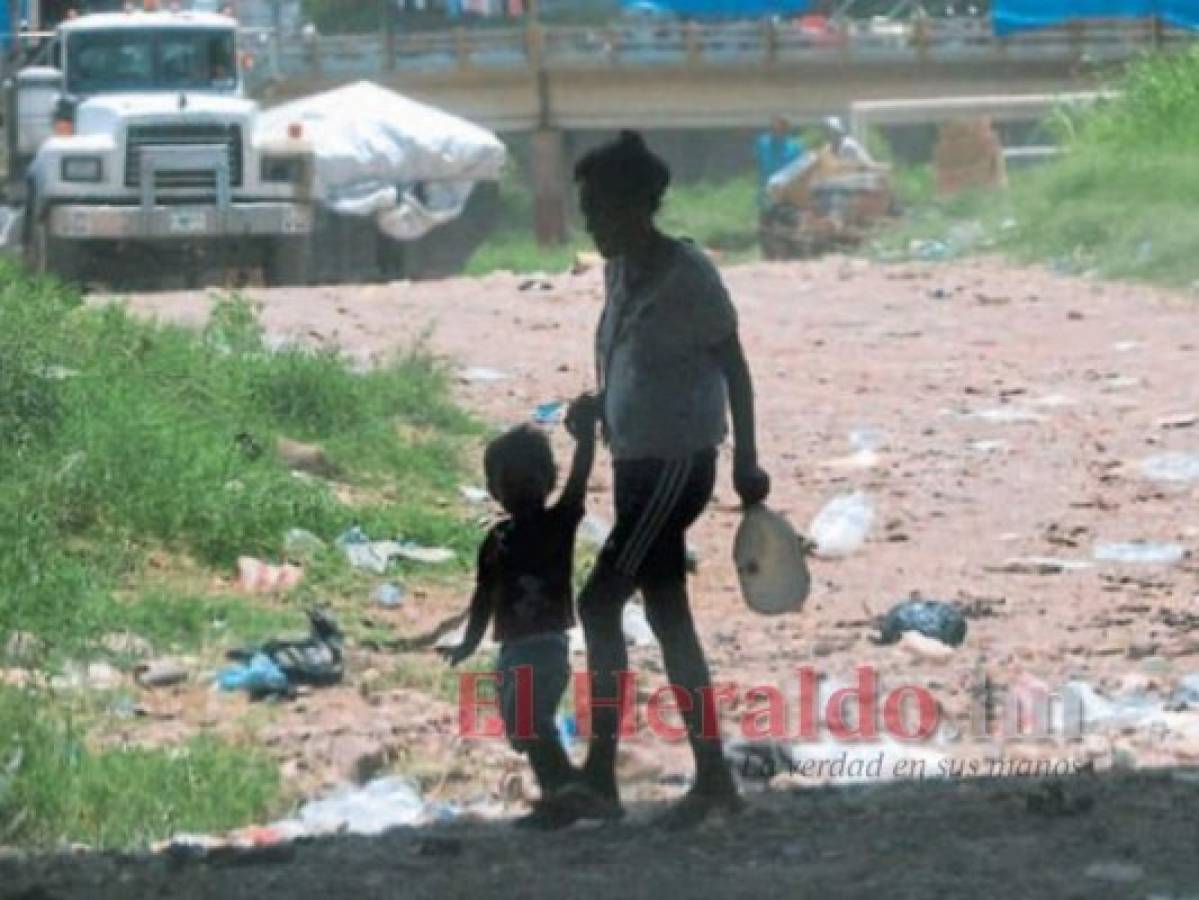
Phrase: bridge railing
(682,44)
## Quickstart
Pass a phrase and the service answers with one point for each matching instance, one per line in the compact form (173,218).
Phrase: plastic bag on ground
(370,810)
(1143,552)
(841,527)
(932,618)
(1172,467)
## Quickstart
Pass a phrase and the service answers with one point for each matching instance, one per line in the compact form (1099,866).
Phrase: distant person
(524,585)
(843,146)
(776,149)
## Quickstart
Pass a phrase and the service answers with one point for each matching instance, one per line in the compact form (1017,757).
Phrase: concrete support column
(549,186)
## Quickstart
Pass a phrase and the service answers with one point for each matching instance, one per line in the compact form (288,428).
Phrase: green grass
(1118,203)
(55,789)
(722,216)
(135,448)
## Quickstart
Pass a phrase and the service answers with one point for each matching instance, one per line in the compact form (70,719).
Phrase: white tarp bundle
(379,153)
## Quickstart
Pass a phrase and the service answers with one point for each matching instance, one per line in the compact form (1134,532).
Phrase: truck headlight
(82,168)
(284,169)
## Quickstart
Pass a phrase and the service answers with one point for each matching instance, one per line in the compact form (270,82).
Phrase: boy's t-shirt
(527,566)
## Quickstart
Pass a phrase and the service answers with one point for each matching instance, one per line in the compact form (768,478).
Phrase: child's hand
(456,654)
(581,416)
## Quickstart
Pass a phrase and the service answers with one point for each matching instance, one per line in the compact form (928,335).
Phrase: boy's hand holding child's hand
(581,416)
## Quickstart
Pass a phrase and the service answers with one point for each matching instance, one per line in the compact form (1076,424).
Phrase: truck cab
(135,135)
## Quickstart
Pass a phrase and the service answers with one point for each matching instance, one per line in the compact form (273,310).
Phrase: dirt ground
(1010,411)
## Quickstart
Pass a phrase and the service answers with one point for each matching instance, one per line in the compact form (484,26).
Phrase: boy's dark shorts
(548,658)
(657,500)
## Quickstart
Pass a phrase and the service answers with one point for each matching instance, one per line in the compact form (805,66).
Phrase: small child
(524,581)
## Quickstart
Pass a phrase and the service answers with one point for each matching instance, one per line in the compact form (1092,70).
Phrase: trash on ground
(481,375)
(308,458)
(635,626)
(259,677)
(841,527)
(389,595)
(372,809)
(924,649)
(549,413)
(935,619)
(126,643)
(160,673)
(375,556)
(302,545)
(1186,694)
(431,555)
(1171,467)
(771,561)
(1146,552)
(1039,565)
(315,660)
(594,530)
(257,577)
(1004,415)
(1182,420)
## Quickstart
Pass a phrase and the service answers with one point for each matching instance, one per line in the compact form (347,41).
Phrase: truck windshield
(151,60)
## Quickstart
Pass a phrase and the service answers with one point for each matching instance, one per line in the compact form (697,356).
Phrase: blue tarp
(721,9)
(1021,15)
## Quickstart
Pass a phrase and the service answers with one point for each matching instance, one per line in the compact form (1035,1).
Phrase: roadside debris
(1171,467)
(841,527)
(1039,565)
(375,556)
(257,577)
(1144,552)
(389,595)
(481,375)
(934,619)
(160,673)
(550,413)
(315,660)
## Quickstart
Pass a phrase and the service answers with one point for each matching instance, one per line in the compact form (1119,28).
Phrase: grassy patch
(56,789)
(1117,203)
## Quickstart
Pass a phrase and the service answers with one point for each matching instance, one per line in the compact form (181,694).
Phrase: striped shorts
(657,500)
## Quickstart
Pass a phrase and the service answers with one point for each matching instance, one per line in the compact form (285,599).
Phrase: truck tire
(288,262)
(46,254)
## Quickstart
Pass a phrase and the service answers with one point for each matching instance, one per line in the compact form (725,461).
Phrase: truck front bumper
(122,223)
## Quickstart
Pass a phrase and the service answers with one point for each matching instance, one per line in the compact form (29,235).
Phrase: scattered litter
(940,621)
(97,676)
(924,649)
(1171,467)
(58,373)
(481,375)
(1039,565)
(1005,415)
(549,413)
(474,495)
(376,556)
(257,577)
(988,446)
(1182,420)
(535,284)
(1186,695)
(310,459)
(841,527)
(313,660)
(1054,401)
(259,677)
(160,673)
(126,643)
(1084,710)
(388,595)
(1125,346)
(931,251)
(302,545)
(1145,552)
(636,627)
(1116,872)
(372,809)
(867,438)
(431,555)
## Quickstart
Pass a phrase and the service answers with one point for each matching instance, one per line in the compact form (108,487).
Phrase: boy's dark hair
(625,172)
(521,454)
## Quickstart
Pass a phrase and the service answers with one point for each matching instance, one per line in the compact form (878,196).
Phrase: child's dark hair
(625,172)
(521,456)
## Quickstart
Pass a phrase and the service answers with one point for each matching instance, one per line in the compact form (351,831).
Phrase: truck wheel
(49,255)
(288,262)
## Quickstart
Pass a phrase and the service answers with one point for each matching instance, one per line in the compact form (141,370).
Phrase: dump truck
(131,138)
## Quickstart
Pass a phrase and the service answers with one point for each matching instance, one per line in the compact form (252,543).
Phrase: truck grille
(139,136)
